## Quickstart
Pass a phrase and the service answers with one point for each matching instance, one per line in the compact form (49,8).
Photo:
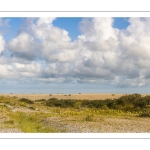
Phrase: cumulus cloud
(46,20)
(2,43)
(24,46)
(98,34)
(135,40)
(56,45)
(101,54)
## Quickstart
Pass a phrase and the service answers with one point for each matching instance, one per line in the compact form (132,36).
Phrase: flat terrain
(66,96)
(31,116)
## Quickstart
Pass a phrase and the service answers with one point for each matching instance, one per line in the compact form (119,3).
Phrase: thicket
(26,101)
(126,102)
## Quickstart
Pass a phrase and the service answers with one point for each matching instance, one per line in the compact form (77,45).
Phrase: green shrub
(26,101)
(23,104)
(126,102)
(145,113)
(53,99)
(89,117)
(112,104)
(40,100)
(78,105)
(32,108)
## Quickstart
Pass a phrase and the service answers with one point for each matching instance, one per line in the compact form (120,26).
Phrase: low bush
(32,108)
(23,104)
(40,100)
(145,113)
(26,101)
(89,117)
(126,102)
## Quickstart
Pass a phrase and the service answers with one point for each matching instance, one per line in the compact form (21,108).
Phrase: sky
(75,55)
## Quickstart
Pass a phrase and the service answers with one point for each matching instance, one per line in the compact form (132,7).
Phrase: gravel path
(10,130)
(106,125)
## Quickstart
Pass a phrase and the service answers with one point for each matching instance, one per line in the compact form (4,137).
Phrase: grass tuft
(29,123)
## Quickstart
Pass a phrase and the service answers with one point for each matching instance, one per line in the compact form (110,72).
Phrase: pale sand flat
(67,96)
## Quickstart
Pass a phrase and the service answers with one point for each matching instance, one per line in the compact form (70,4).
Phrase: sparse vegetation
(30,123)
(67,115)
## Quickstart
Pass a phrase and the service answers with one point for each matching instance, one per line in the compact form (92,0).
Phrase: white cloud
(22,43)
(2,43)
(45,53)
(24,46)
(135,40)
(98,34)
(46,20)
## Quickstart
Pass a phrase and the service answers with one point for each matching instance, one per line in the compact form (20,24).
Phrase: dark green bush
(26,101)
(40,100)
(33,108)
(126,102)
(145,113)
(53,102)
(89,117)
(112,104)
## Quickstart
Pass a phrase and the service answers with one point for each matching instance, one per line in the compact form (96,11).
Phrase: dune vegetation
(128,113)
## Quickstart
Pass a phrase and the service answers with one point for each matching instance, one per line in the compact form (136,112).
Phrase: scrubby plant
(131,102)
(23,104)
(40,100)
(78,105)
(32,108)
(145,113)
(89,117)
(26,101)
